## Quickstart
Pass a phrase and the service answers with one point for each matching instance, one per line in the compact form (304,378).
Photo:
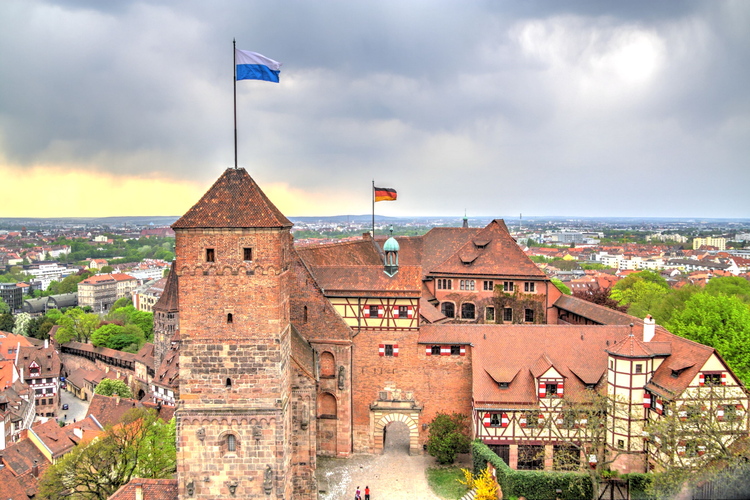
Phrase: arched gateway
(381,419)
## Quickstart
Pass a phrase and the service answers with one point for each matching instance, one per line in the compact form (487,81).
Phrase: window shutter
(381,349)
(380,312)
(463,351)
(659,406)
(395,311)
(701,380)
(445,350)
(682,414)
(428,350)
(647,399)
(560,389)
(395,350)
(681,448)
(720,414)
(542,389)
(410,313)
(723,378)
(366,312)
(522,419)
(504,420)
(486,420)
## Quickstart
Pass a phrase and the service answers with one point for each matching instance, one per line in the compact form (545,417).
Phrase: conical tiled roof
(168,301)
(234,201)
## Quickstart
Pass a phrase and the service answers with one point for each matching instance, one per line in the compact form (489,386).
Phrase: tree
(122,302)
(484,483)
(7,322)
(601,297)
(718,321)
(696,438)
(142,446)
(113,387)
(106,269)
(130,339)
(730,285)
(449,435)
(76,325)
(4,307)
(22,323)
(103,335)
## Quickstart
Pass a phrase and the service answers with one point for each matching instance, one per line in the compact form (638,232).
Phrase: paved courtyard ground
(394,475)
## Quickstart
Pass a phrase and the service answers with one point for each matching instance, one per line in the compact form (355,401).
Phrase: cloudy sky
(590,108)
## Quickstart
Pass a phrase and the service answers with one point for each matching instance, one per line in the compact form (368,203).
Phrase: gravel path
(394,475)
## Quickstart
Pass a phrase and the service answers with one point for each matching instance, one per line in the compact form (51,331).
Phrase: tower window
(231,442)
(435,350)
(229,383)
(638,368)
(247,254)
(230,319)
(210,255)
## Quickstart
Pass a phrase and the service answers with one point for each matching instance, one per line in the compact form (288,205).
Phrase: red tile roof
(54,437)
(234,201)
(354,280)
(152,489)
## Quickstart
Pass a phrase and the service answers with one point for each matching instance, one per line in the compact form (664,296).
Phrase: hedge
(533,485)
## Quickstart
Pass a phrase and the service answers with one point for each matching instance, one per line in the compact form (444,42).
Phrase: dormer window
(550,388)
(503,385)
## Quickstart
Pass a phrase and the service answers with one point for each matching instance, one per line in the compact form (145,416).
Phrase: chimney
(78,432)
(138,491)
(46,343)
(649,328)
(35,469)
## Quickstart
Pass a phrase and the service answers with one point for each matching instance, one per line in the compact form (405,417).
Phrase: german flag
(385,194)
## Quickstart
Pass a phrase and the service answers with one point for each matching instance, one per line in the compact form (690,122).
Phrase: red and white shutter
(701,380)
(647,399)
(522,419)
(701,450)
(582,422)
(659,406)
(395,312)
(486,421)
(410,313)
(540,421)
(381,349)
(395,350)
(681,448)
(542,389)
(366,312)
(504,421)
(720,413)
(560,390)
(682,414)
(445,350)
(462,350)
(380,311)
(428,350)
(723,378)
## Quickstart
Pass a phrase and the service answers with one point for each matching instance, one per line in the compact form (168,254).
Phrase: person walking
(367,493)
(357,495)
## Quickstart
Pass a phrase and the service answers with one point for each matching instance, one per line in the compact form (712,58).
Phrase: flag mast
(373,209)
(234,80)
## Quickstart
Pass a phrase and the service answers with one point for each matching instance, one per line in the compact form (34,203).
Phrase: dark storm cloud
(462,104)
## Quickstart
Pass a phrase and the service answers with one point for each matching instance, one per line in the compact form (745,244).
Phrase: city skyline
(582,109)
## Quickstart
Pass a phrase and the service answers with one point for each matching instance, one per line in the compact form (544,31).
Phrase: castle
(277,355)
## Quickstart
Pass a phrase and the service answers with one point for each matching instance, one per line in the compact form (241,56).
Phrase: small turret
(391,248)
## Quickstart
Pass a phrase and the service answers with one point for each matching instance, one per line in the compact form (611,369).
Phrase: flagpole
(234,79)
(373,209)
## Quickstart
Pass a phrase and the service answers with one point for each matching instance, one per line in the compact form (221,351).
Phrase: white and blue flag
(253,66)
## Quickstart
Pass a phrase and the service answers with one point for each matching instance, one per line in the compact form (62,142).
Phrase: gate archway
(406,424)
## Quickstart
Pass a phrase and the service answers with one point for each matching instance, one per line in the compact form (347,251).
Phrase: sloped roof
(491,251)
(362,252)
(234,201)
(168,372)
(151,489)
(54,437)
(429,313)
(594,312)
(10,487)
(578,353)
(353,280)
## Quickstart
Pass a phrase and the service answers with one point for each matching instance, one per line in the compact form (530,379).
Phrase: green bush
(639,485)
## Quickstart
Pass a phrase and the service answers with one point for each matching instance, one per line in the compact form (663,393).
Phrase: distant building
(146,296)
(40,368)
(102,290)
(710,241)
(47,272)
(12,295)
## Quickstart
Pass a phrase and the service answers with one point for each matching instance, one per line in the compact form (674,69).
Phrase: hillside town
(318,348)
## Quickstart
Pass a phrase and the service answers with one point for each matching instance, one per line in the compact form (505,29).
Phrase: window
(373,311)
(210,255)
(530,457)
(529,316)
(621,443)
(551,390)
(489,313)
(467,310)
(444,284)
(388,350)
(528,286)
(403,311)
(507,286)
(448,309)
(503,385)
(467,284)
(494,420)
(712,378)
(489,285)
(231,442)
(230,318)
(247,254)
(638,368)
(228,383)
(507,314)
(455,350)
(435,350)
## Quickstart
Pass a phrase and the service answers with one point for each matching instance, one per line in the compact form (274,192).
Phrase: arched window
(327,405)
(230,318)
(304,315)
(229,383)
(448,309)
(467,310)
(327,365)
(231,442)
